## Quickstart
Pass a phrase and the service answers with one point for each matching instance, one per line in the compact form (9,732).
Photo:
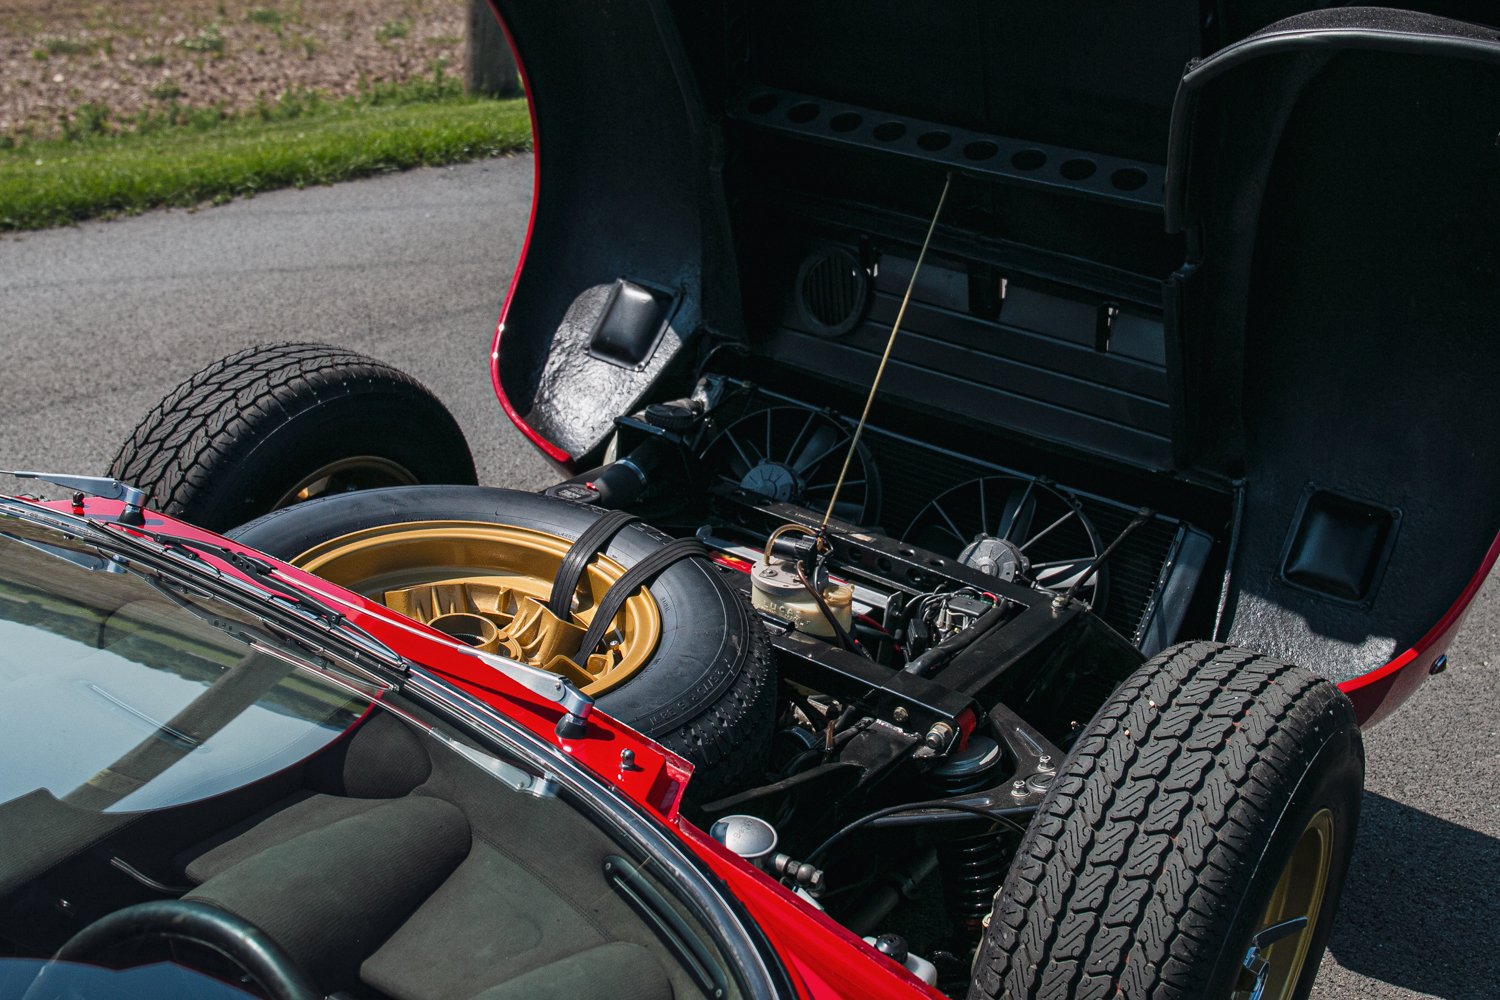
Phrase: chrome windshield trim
(147,557)
(746,947)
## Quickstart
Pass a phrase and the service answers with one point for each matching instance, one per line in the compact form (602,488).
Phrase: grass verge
(55,182)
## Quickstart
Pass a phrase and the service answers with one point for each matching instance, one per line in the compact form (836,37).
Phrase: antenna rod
(879,372)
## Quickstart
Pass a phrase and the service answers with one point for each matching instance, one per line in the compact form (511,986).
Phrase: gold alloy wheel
(361,472)
(1299,893)
(487,585)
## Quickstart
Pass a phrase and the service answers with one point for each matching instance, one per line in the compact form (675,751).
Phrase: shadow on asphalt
(1421,909)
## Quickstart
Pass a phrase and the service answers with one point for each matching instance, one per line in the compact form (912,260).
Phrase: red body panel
(549,449)
(1380,692)
(825,960)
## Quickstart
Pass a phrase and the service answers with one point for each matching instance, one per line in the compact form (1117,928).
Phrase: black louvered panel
(1055,363)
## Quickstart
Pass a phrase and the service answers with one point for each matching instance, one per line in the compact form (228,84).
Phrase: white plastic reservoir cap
(748,836)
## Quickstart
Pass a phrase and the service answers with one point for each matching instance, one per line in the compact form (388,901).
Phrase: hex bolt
(899,714)
(1044,762)
(1018,788)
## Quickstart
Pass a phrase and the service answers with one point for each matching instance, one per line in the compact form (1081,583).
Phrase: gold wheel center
(361,472)
(487,586)
(1298,893)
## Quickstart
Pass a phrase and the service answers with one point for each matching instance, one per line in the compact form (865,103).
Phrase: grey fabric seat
(491,921)
(362,875)
(330,896)
(382,761)
(291,817)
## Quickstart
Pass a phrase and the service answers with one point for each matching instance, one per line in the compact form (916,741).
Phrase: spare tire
(707,686)
(277,424)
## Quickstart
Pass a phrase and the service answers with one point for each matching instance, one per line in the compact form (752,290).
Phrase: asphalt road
(98,322)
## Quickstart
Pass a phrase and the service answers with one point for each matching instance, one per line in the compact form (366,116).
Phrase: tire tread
(206,423)
(1131,872)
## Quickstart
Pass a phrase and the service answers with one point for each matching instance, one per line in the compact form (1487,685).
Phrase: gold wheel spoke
(487,585)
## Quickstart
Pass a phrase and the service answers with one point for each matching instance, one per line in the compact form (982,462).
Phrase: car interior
(384,865)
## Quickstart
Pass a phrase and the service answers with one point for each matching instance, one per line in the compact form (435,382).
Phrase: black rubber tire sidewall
(708,691)
(1087,910)
(1335,781)
(238,435)
(388,420)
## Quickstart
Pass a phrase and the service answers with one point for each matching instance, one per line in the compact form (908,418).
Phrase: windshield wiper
(184,554)
(293,597)
(99,486)
(152,548)
(251,566)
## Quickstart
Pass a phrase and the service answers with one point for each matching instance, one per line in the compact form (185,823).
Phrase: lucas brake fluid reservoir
(776,589)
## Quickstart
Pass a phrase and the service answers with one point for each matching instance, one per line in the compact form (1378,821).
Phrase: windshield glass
(114,698)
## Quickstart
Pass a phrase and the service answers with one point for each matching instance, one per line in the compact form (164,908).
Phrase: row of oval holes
(1077,169)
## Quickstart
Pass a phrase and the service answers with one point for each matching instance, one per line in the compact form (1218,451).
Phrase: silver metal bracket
(514,777)
(99,486)
(1256,963)
(575,704)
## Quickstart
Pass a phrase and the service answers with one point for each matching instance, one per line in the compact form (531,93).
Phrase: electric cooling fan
(1015,529)
(793,454)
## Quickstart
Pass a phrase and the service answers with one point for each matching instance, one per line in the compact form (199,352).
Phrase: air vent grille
(832,289)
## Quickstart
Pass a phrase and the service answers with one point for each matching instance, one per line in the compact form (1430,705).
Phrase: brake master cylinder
(778,589)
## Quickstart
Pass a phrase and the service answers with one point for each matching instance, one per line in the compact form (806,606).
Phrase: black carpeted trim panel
(1337,312)
(616,971)
(1370,359)
(331,896)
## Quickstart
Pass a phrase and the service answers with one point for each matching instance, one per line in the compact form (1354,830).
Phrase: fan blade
(801,433)
(739,462)
(1061,575)
(953,528)
(1015,519)
(823,442)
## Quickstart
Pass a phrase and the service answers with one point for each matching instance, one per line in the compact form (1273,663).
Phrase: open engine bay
(941,639)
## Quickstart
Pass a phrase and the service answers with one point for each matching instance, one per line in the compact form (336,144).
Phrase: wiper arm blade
(187,552)
(251,566)
(99,486)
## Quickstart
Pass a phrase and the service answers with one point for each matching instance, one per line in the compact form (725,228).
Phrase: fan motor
(794,455)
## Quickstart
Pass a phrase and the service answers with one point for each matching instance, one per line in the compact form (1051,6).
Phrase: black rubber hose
(908,807)
(949,647)
(838,629)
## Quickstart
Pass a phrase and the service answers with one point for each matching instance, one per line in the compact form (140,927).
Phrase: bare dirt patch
(56,55)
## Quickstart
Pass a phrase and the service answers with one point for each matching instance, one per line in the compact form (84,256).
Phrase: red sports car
(1006,456)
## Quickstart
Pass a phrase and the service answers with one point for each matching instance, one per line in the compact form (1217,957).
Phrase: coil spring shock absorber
(971,867)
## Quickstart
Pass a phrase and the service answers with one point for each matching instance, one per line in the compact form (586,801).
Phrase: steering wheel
(236,939)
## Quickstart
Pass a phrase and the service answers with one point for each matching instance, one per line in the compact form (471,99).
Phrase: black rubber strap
(636,576)
(594,538)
